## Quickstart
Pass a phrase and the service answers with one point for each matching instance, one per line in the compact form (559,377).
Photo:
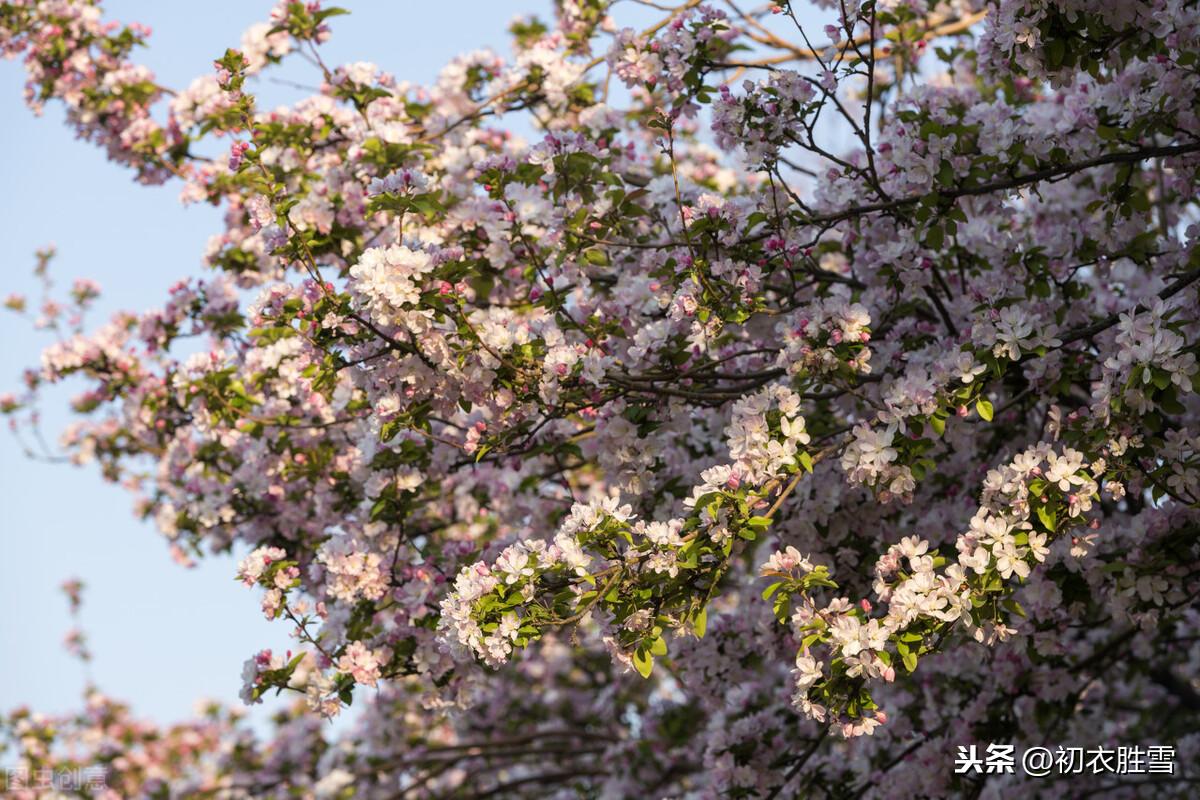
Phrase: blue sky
(162,636)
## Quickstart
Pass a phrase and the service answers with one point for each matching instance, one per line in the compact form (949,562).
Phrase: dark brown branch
(1129,157)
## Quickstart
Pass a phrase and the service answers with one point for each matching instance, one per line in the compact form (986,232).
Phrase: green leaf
(939,424)
(691,559)
(642,662)
(984,407)
(1048,517)
(806,461)
(783,607)
(1015,607)
(700,623)
(759,523)
(934,238)
(945,175)
(1056,51)
(658,647)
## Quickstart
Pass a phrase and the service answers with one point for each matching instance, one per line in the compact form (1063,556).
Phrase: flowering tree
(800,405)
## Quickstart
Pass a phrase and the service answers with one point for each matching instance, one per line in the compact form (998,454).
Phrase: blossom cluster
(920,596)
(603,555)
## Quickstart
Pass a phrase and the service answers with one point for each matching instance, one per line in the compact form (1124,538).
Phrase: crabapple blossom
(746,403)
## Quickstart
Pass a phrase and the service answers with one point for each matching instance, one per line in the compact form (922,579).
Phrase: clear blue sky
(162,636)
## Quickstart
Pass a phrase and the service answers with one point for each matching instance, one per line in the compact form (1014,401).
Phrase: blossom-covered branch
(898,311)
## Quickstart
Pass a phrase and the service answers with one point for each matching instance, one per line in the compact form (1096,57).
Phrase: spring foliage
(795,404)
